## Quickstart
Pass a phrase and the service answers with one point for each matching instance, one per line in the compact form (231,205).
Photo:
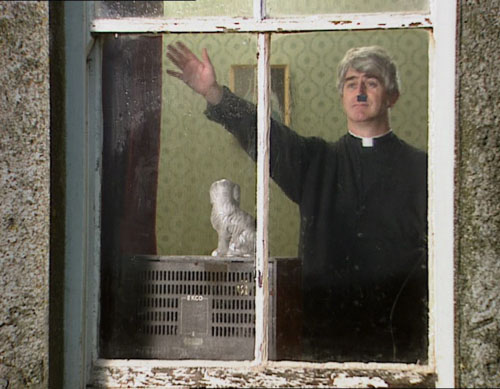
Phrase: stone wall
(478,195)
(24,193)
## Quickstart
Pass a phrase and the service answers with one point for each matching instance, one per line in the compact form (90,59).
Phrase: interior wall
(307,7)
(287,7)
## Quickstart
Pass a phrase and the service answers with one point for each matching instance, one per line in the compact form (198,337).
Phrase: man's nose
(361,88)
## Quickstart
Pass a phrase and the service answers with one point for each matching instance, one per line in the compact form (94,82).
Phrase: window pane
(119,9)
(311,7)
(131,99)
(163,150)
(355,215)
(195,151)
(173,8)
(207,204)
(177,251)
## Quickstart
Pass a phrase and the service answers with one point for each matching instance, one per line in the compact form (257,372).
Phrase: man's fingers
(181,56)
(175,56)
(185,50)
(206,58)
(175,61)
(175,74)
(173,50)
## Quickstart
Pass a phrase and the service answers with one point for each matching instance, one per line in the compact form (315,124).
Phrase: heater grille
(215,303)
(194,307)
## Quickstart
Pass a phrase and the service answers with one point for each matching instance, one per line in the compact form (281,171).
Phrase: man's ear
(392,99)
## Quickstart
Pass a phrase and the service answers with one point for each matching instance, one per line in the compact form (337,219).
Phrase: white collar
(368,141)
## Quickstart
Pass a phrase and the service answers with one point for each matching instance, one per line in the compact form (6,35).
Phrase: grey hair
(373,60)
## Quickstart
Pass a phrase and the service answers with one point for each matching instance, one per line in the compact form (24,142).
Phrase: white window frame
(83,176)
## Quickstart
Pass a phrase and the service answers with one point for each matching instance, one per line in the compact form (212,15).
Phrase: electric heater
(199,307)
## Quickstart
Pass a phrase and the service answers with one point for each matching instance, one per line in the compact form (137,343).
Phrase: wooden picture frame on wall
(243,83)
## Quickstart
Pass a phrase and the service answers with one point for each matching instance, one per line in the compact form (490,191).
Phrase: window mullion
(259,9)
(261,262)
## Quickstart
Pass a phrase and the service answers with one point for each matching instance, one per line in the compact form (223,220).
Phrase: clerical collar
(368,141)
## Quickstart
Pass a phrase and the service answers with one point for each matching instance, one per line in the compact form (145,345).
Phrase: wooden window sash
(333,22)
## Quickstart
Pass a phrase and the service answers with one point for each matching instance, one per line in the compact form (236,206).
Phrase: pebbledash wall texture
(478,195)
(25,195)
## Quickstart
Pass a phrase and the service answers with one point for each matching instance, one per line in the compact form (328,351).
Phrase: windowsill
(160,373)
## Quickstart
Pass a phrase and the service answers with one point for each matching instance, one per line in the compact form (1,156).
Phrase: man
(363,208)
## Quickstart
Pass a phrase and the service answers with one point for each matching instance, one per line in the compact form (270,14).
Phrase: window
(169,223)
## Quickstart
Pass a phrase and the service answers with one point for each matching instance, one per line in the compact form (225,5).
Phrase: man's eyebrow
(371,75)
(367,75)
(351,78)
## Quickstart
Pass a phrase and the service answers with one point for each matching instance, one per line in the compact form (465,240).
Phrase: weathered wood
(229,24)
(110,375)
(262,250)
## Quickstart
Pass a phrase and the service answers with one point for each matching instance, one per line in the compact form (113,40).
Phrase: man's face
(372,105)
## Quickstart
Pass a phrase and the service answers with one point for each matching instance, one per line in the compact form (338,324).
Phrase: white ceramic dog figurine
(235,227)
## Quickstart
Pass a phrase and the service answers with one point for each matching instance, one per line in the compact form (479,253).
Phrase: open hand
(198,75)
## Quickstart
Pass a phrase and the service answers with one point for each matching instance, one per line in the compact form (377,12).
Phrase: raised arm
(198,75)
(290,152)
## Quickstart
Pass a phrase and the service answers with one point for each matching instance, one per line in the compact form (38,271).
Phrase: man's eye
(373,84)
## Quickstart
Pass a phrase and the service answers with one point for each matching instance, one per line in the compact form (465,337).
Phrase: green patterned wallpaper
(195,152)
(174,9)
(289,7)
(311,7)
